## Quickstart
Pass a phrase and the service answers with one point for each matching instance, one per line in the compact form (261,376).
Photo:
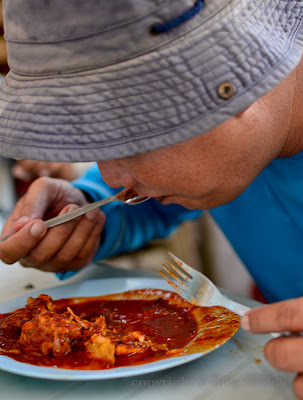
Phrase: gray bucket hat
(97,79)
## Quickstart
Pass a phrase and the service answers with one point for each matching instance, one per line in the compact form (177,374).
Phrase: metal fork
(196,288)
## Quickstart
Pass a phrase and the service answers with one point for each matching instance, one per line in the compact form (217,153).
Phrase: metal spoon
(127,196)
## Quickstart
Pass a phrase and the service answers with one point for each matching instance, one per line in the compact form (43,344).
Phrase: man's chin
(182,201)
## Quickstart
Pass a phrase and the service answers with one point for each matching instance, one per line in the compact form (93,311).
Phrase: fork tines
(181,265)
(175,275)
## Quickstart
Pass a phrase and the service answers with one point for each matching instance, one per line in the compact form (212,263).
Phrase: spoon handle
(60,219)
(128,196)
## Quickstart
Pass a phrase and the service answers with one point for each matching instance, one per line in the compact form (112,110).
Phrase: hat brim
(156,100)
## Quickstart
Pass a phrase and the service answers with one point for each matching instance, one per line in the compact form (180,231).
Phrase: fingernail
(91,215)
(22,220)
(21,174)
(245,323)
(44,172)
(37,229)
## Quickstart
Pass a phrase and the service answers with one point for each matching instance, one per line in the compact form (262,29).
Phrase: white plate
(97,287)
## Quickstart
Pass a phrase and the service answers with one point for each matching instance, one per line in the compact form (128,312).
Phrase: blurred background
(200,243)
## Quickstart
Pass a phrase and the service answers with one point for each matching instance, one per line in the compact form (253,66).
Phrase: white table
(236,371)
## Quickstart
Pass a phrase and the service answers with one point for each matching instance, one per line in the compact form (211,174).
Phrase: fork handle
(237,308)
(240,309)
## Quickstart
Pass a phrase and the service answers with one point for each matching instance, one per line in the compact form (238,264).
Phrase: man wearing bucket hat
(197,103)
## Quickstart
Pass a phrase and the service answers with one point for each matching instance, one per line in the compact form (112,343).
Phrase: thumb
(21,222)
(33,205)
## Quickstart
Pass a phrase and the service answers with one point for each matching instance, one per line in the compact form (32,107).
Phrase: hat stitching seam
(217,11)
(155,48)
(7,82)
(109,29)
(197,119)
(136,137)
(11,94)
(98,112)
(146,63)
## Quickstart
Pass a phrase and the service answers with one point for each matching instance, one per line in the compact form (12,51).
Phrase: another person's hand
(284,353)
(29,170)
(69,246)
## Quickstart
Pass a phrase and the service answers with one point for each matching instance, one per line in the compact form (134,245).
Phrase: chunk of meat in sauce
(98,327)
(50,333)
(136,342)
(98,345)
(82,322)
(16,319)
(101,348)
(39,305)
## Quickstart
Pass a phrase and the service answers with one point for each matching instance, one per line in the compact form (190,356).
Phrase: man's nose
(115,175)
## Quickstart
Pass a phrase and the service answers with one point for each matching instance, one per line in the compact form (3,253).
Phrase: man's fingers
(85,240)
(277,317)
(37,199)
(285,353)
(27,238)
(31,206)
(65,244)
(54,240)
(89,250)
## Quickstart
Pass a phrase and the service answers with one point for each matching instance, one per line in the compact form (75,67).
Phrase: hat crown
(55,36)
(57,20)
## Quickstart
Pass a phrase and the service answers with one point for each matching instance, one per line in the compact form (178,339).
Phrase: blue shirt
(264,225)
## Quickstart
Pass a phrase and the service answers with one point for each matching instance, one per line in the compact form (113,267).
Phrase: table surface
(235,371)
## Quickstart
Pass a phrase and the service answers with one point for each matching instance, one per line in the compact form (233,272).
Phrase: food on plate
(116,330)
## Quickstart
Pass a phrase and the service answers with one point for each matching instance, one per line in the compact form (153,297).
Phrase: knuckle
(63,258)
(24,262)
(84,259)
(81,259)
(37,257)
(86,256)
(288,314)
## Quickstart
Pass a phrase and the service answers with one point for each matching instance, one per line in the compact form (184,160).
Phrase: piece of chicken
(39,305)
(16,319)
(100,348)
(50,333)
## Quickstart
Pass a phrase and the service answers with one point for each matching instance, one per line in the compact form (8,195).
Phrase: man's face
(215,167)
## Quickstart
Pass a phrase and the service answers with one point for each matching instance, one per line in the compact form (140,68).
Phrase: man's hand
(283,353)
(69,246)
(29,170)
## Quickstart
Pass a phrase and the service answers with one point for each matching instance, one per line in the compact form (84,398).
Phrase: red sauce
(163,323)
